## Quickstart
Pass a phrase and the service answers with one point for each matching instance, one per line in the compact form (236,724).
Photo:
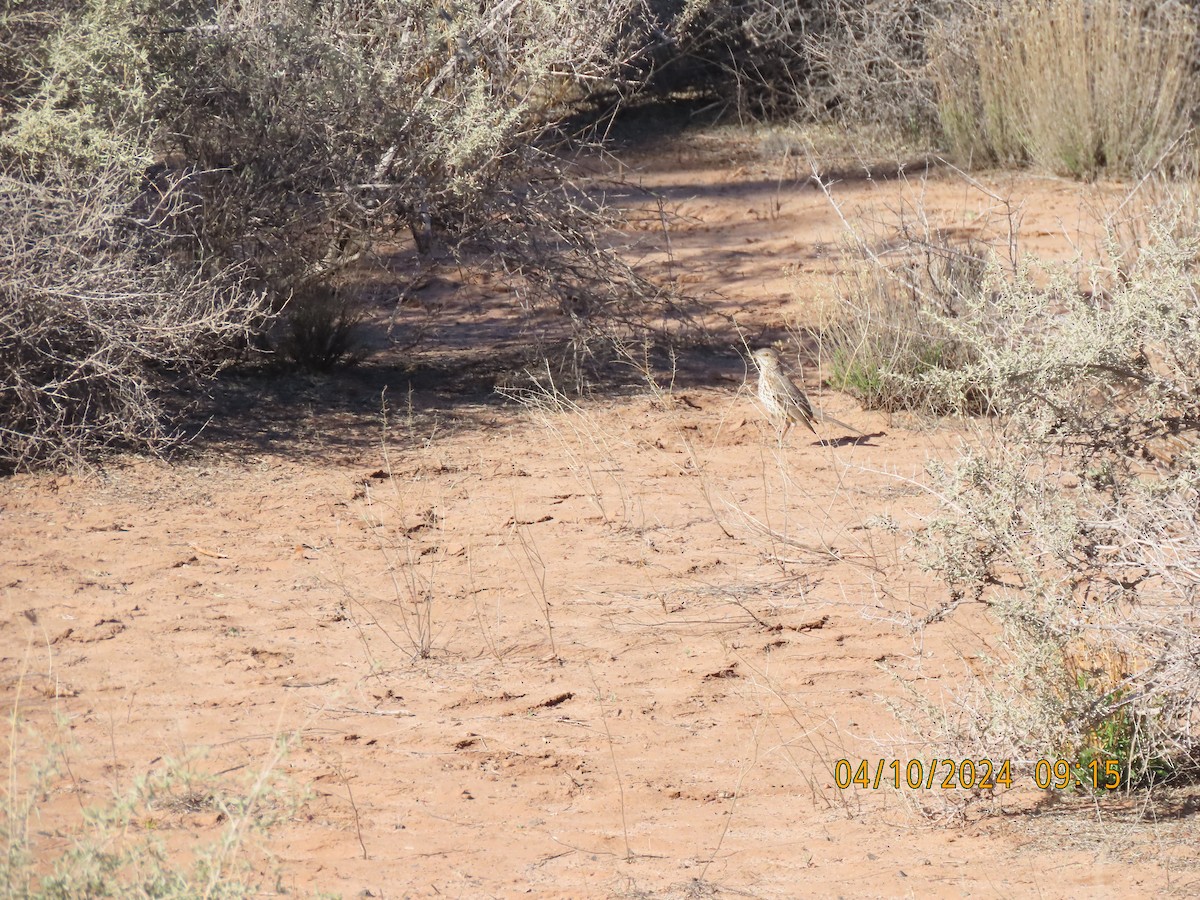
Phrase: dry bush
(291,139)
(320,328)
(1167,198)
(1076,86)
(310,132)
(750,56)
(98,318)
(887,330)
(321,123)
(319,131)
(1077,521)
(861,61)
(869,60)
(24,28)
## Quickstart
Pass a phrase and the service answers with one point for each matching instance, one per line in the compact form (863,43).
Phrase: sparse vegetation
(1067,514)
(889,331)
(121,849)
(1076,523)
(186,186)
(891,327)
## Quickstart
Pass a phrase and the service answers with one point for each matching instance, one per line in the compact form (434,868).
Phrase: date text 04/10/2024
(972,774)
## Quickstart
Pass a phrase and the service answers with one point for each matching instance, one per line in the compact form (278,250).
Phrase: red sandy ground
(652,632)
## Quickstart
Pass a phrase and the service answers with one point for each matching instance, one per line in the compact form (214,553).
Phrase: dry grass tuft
(1075,86)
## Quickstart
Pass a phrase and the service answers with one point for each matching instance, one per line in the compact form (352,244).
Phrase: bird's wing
(803,406)
(797,396)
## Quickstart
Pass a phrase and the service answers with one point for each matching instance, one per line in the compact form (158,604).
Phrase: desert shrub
(320,326)
(282,141)
(324,125)
(107,304)
(312,131)
(888,330)
(749,57)
(98,318)
(25,26)
(92,105)
(1077,521)
(1076,86)
(860,61)
(869,60)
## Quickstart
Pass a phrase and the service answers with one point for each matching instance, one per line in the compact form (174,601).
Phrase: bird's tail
(827,419)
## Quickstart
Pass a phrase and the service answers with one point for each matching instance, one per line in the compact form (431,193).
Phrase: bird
(785,403)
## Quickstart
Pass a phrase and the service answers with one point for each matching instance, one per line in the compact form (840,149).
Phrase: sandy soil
(611,647)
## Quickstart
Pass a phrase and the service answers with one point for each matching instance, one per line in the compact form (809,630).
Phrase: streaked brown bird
(785,403)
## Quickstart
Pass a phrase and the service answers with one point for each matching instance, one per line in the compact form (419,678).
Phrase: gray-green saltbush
(1077,520)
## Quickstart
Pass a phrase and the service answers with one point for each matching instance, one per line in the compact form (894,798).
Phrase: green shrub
(93,105)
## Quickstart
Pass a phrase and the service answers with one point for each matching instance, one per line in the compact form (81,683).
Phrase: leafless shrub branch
(97,320)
